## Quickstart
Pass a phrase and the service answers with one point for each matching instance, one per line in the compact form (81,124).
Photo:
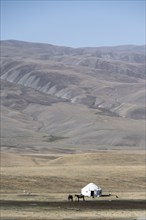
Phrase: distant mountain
(102,82)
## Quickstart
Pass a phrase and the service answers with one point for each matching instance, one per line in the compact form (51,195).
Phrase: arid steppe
(36,186)
(69,117)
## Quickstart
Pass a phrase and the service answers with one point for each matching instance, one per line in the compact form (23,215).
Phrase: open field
(36,186)
(76,210)
(69,117)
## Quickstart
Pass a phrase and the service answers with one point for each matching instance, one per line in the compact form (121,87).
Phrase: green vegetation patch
(53,138)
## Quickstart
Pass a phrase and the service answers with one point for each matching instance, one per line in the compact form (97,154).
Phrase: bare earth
(36,186)
(69,117)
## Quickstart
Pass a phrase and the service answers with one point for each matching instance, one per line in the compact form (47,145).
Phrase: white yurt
(91,190)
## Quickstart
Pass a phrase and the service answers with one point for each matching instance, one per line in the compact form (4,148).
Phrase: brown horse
(70,197)
(80,196)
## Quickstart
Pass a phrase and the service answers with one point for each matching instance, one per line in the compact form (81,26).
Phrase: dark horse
(70,197)
(80,197)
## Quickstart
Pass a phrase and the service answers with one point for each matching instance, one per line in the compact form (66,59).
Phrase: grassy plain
(36,186)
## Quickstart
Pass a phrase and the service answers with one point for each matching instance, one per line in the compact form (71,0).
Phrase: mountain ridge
(109,82)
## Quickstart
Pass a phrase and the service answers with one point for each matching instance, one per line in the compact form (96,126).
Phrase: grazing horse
(70,197)
(80,197)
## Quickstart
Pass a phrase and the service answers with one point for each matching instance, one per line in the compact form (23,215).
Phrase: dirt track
(92,205)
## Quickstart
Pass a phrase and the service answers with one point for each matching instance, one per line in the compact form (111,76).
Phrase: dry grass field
(36,186)
(69,117)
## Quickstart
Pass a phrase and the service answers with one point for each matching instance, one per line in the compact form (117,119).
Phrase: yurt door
(92,194)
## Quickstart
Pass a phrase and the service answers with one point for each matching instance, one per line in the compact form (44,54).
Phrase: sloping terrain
(71,99)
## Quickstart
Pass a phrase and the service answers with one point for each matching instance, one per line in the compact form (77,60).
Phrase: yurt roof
(91,186)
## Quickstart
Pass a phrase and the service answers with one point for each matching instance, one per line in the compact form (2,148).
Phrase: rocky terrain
(71,99)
